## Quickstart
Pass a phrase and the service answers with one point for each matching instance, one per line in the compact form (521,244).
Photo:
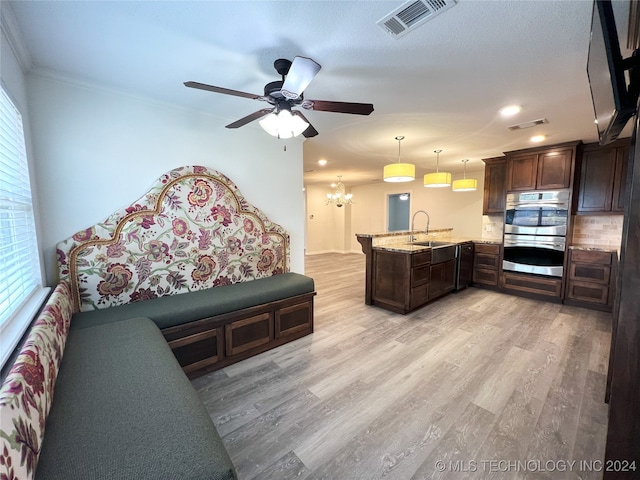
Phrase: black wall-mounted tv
(614,102)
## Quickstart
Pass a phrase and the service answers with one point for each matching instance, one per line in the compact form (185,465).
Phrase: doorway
(398,212)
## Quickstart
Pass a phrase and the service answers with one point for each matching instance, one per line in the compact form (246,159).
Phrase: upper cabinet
(541,168)
(495,177)
(603,176)
(522,171)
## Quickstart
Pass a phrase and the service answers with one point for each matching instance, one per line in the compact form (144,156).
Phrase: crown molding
(11,30)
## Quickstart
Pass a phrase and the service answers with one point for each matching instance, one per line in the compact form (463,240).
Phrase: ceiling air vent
(529,124)
(411,15)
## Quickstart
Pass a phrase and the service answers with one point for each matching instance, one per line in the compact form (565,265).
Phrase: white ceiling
(440,86)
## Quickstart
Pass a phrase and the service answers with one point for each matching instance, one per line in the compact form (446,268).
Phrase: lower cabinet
(532,284)
(400,280)
(441,279)
(590,280)
(218,341)
(486,265)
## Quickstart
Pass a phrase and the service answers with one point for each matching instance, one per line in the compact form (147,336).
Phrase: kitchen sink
(433,244)
(440,251)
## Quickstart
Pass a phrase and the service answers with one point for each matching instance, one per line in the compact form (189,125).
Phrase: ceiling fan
(285,94)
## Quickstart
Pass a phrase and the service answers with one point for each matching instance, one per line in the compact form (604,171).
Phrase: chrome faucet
(412,221)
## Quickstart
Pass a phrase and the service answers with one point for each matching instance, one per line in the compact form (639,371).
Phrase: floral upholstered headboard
(193,230)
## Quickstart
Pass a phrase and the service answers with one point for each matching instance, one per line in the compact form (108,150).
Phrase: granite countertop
(407,247)
(595,248)
(400,233)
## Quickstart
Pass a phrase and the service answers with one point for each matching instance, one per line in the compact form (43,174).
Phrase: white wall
(461,211)
(98,150)
(325,223)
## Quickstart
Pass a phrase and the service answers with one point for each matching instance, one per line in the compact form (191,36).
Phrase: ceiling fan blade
(301,72)
(250,118)
(226,91)
(310,131)
(339,107)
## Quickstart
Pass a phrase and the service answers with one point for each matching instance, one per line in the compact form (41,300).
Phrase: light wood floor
(463,388)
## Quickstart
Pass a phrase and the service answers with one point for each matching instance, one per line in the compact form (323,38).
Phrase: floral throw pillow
(27,392)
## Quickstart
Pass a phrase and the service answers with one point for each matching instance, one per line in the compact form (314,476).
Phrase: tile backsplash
(597,230)
(492,227)
(587,229)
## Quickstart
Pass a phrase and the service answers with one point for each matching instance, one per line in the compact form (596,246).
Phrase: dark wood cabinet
(603,176)
(521,172)
(535,286)
(541,169)
(400,280)
(620,179)
(589,282)
(486,265)
(495,186)
(597,171)
(555,169)
(215,342)
(442,279)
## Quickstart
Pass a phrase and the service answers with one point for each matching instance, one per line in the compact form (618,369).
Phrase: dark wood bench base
(215,342)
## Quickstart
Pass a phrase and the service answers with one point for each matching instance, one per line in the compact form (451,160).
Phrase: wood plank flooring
(476,385)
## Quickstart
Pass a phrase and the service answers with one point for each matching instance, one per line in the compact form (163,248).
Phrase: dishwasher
(464,265)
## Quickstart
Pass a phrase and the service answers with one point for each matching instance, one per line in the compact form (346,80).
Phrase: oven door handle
(557,206)
(552,245)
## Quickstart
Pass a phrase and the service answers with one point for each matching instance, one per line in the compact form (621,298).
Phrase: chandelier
(339,197)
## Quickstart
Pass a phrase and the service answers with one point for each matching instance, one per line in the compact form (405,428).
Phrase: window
(21,291)
(398,212)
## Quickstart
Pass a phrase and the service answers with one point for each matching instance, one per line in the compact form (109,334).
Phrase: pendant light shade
(465,184)
(437,179)
(399,172)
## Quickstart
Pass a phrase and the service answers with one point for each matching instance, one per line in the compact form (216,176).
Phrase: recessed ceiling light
(537,138)
(322,162)
(510,110)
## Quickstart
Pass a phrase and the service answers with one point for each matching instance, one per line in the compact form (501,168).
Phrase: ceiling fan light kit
(283,124)
(465,184)
(281,121)
(437,179)
(399,172)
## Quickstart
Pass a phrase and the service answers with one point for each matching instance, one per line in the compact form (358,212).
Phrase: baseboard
(321,252)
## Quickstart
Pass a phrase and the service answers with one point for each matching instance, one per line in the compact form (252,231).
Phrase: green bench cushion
(124,409)
(172,310)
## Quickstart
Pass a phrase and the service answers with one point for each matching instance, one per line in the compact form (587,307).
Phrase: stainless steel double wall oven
(535,230)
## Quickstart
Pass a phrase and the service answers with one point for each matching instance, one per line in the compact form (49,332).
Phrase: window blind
(20,274)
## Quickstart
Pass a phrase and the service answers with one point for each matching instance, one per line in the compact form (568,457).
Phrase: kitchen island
(405,270)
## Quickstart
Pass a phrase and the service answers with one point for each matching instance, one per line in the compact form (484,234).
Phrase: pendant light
(399,172)
(437,179)
(465,184)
